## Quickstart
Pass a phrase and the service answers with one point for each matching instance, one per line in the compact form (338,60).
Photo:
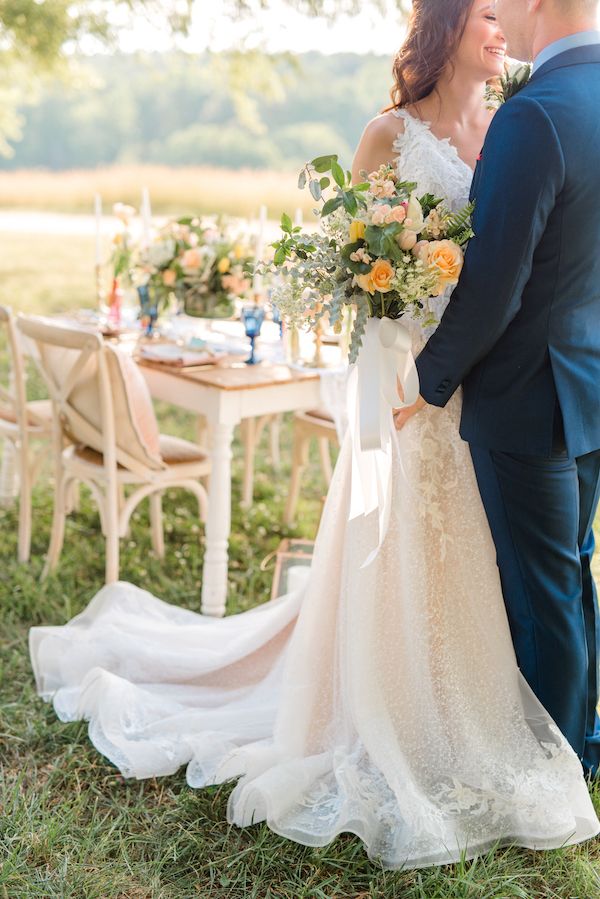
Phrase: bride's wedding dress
(384,701)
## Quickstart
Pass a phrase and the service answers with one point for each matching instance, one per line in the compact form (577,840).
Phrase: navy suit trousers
(541,512)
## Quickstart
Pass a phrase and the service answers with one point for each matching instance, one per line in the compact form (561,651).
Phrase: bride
(384,701)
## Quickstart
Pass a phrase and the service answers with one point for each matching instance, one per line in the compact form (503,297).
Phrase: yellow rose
(238,251)
(224,265)
(446,260)
(378,278)
(357,230)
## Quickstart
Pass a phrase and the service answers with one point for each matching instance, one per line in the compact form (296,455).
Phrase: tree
(40,37)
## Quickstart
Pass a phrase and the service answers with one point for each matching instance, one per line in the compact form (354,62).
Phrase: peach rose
(421,251)
(397,214)
(378,278)
(357,230)
(169,277)
(191,260)
(446,260)
(406,240)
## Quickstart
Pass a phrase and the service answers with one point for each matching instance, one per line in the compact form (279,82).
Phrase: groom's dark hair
(432,39)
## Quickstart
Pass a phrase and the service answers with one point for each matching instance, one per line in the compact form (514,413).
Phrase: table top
(237,375)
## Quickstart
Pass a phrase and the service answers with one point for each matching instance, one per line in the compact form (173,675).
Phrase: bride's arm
(376,146)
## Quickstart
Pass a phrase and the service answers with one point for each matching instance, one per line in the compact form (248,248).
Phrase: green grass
(70,826)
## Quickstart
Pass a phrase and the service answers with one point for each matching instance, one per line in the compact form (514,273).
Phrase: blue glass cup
(148,309)
(252,317)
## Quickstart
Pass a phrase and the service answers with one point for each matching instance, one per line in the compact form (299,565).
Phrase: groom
(522,334)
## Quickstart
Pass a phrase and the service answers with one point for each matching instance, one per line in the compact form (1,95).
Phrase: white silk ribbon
(385,358)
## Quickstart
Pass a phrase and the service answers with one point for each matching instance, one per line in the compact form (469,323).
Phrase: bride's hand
(401,416)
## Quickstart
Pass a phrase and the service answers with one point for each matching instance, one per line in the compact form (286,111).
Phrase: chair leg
(299,463)
(58,526)
(249,441)
(275,430)
(73,499)
(111,516)
(156,521)
(325,459)
(24,510)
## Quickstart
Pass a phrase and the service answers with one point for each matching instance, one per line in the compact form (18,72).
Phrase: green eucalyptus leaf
(286,223)
(315,189)
(302,180)
(324,182)
(323,163)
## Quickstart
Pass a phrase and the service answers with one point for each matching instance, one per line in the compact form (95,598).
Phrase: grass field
(70,826)
(173,190)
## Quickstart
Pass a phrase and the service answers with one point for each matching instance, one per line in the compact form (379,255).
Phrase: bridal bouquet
(382,250)
(204,263)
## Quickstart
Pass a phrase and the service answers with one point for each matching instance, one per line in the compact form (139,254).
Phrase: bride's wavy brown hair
(435,29)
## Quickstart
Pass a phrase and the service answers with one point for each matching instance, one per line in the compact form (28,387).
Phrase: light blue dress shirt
(571,42)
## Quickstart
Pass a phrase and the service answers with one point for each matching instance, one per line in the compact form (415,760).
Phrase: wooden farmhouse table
(225,396)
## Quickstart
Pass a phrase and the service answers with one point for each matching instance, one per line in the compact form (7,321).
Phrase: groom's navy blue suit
(522,334)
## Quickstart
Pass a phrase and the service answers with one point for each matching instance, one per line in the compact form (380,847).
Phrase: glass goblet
(252,317)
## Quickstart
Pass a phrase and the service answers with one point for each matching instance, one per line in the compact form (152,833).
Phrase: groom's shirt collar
(571,42)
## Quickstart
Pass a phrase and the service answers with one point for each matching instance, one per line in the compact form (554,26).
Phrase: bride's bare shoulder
(376,145)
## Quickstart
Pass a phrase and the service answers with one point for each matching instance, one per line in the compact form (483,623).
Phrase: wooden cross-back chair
(22,423)
(102,405)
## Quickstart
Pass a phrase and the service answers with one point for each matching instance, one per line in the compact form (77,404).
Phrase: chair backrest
(98,392)
(13,398)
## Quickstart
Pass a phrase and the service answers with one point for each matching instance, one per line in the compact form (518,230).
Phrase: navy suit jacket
(522,330)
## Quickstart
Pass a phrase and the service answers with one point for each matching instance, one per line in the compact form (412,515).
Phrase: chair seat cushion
(38,411)
(173,451)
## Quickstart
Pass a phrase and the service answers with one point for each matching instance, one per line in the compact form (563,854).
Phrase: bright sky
(277,30)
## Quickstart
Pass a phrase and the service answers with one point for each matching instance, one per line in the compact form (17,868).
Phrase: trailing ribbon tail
(385,359)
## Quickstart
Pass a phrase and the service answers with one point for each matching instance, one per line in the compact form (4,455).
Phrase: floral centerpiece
(382,250)
(203,263)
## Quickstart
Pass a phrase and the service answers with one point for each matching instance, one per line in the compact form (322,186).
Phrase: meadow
(70,826)
(174,191)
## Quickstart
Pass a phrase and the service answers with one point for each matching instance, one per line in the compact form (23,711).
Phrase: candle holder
(252,317)
(100,293)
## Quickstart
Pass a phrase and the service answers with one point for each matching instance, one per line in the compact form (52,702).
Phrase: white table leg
(218,523)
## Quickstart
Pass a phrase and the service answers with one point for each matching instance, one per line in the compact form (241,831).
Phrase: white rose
(414,213)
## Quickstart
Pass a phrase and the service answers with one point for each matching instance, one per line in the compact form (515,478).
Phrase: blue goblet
(253,317)
(148,310)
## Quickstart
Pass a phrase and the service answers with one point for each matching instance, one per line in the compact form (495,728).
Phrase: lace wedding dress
(385,701)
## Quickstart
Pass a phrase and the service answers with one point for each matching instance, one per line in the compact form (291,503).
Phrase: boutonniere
(508,85)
